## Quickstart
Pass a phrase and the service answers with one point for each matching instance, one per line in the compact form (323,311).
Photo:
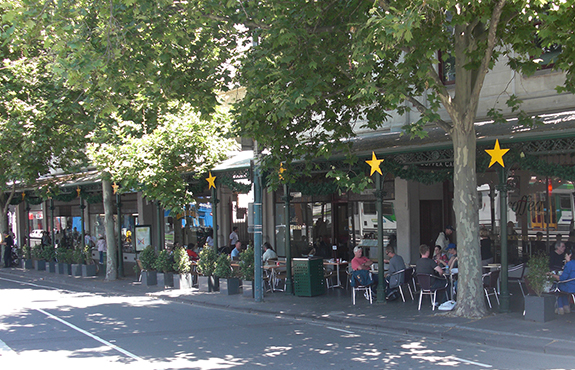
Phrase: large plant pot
(76,269)
(208,284)
(40,265)
(51,266)
(183,281)
(89,270)
(149,278)
(230,286)
(27,264)
(248,288)
(166,279)
(64,268)
(213,284)
(540,309)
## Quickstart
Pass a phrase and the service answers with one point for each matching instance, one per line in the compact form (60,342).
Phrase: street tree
(321,70)
(145,68)
(42,124)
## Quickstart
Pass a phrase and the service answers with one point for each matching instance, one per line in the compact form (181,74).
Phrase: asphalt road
(41,325)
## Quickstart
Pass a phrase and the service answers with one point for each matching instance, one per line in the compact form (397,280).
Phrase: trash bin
(308,277)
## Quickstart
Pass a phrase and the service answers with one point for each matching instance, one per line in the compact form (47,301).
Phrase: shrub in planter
(207,266)
(64,258)
(148,259)
(539,306)
(49,255)
(247,271)
(27,257)
(183,276)
(77,261)
(229,284)
(165,267)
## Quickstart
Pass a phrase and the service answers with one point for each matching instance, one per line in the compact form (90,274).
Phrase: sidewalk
(335,308)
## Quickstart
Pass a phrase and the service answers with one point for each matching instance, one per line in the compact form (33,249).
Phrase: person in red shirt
(360,262)
(193,255)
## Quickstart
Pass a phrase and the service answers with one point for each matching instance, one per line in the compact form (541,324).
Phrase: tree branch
(423,109)
(484,68)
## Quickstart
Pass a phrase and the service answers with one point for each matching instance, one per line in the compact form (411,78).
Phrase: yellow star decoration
(78,190)
(115,187)
(281,171)
(23,195)
(211,181)
(496,154)
(374,163)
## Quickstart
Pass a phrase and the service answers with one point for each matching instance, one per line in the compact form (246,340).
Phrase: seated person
(563,305)
(396,263)
(557,256)
(439,257)
(268,252)
(360,262)
(426,265)
(452,251)
(191,253)
(236,251)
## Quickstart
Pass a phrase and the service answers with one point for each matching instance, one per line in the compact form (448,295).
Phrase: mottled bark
(111,260)
(470,300)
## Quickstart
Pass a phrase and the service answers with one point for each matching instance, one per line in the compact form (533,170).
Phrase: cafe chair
(361,283)
(407,276)
(490,282)
(519,279)
(558,291)
(424,281)
(328,276)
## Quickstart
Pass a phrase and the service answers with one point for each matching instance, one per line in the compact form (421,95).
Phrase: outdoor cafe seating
(425,284)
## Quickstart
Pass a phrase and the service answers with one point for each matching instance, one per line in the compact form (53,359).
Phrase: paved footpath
(507,330)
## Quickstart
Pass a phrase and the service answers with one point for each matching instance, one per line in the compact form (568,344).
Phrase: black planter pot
(230,286)
(149,278)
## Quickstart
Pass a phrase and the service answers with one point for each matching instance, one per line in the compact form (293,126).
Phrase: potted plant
(64,258)
(38,257)
(229,283)
(247,271)
(183,276)
(206,267)
(27,262)
(165,268)
(77,261)
(89,267)
(538,305)
(49,255)
(147,259)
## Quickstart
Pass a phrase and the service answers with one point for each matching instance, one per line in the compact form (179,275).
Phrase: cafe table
(337,263)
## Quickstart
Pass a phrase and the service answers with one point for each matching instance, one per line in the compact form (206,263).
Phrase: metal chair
(519,279)
(366,289)
(402,282)
(328,275)
(557,291)
(490,281)
(425,283)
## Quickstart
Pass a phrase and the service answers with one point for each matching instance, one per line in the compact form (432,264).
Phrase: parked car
(36,234)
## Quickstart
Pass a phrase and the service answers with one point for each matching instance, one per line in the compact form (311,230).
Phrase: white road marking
(113,346)
(469,362)
(345,331)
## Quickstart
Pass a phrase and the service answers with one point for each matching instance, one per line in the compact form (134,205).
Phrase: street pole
(289,280)
(258,227)
(52,220)
(379,207)
(215,218)
(504,297)
(120,246)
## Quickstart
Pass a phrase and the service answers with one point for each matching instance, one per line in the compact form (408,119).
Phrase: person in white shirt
(234,237)
(443,238)
(268,252)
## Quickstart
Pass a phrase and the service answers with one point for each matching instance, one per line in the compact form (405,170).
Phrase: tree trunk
(3,219)
(470,301)
(111,259)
